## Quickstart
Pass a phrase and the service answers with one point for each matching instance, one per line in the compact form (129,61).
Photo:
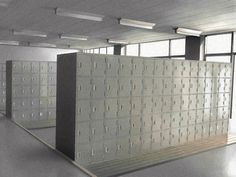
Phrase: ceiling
(210,16)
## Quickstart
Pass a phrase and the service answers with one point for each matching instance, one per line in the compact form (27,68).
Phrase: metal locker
(52,80)
(97,152)
(214,100)
(16,67)
(222,70)
(84,87)
(123,145)
(146,123)
(147,105)
(177,86)
(83,110)
(184,119)
(35,79)
(194,69)
(135,124)
(26,80)
(226,114)
(185,102)
(220,113)
(192,102)
(174,137)
(192,117)
(200,101)
(43,91)
(34,114)
(198,132)
(137,70)
(225,126)
(26,67)
(98,88)
(136,106)
(43,79)
(112,66)
(83,153)
(216,70)
(156,141)
(34,103)
(219,127)
(175,119)
(158,86)
(227,85)
(148,67)
(51,113)
(35,67)
(156,122)
(207,115)
(17,91)
(98,66)
(177,68)
(147,86)
(110,148)
(167,90)
(135,145)
(191,133)
(207,102)
(167,68)
(43,67)
(208,85)
(176,103)
(97,130)
(84,65)
(17,79)
(227,99)
(17,104)
(185,86)
(165,138)
(136,87)
(125,66)
(215,85)
(166,103)
(52,67)
(110,126)
(124,87)
(157,104)
(146,140)
(221,85)
(43,103)
(34,92)
(111,108)
(123,127)
(186,68)
(183,134)
(193,86)
(201,69)
(43,114)
(214,114)
(111,87)
(205,130)
(213,128)
(26,91)
(124,107)
(97,109)
(201,85)
(166,121)
(221,98)
(209,69)
(228,70)
(159,68)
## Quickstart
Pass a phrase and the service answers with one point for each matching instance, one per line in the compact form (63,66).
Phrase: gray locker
(83,110)
(157,104)
(209,69)
(97,152)
(84,65)
(43,114)
(52,80)
(111,108)
(174,137)
(194,69)
(97,109)
(176,103)
(43,103)
(97,130)
(156,141)
(158,86)
(221,98)
(112,66)
(177,68)
(191,133)
(227,87)
(193,86)
(184,119)
(135,145)
(166,121)
(225,126)
(124,87)
(146,140)
(26,67)
(156,122)
(205,130)
(207,102)
(219,127)
(159,68)
(98,88)
(214,113)
(135,125)
(123,127)
(198,132)
(214,100)
(125,66)
(185,102)
(136,106)
(43,67)
(123,145)
(175,119)
(52,67)
(183,135)
(136,87)
(167,103)
(192,102)
(167,86)
(165,138)
(110,148)
(35,67)
(137,67)
(208,85)
(148,86)
(192,117)
(84,87)
(207,115)
(167,68)
(83,153)
(16,67)
(213,128)
(200,101)
(201,69)
(201,85)
(147,105)
(51,114)
(186,68)
(111,129)
(216,70)
(98,66)
(146,123)
(124,107)
(148,67)
(35,79)
(111,87)
(177,86)
(228,70)
(185,86)
(34,102)
(43,91)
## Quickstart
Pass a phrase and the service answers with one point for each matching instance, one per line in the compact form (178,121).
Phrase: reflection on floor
(46,134)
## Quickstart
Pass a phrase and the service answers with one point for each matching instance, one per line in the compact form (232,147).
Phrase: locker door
(43,115)
(52,80)
(178,68)
(148,86)
(207,115)
(123,127)
(123,145)
(184,119)
(201,69)
(167,68)
(52,67)
(98,88)
(166,121)
(201,85)
(147,105)
(148,67)
(174,137)
(200,101)
(146,124)
(26,80)
(136,106)
(194,69)
(34,114)
(191,133)
(184,102)
(165,138)
(83,87)
(124,107)
(43,67)
(156,122)
(137,67)
(17,79)
(206,130)
(16,67)
(52,91)
(192,117)
(193,86)
(111,108)
(110,129)
(136,87)
(157,104)
(227,85)
(216,70)
(175,119)
(192,102)
(26,67)
(207,101)
(214,114)
(97,130)
(228,70)
(176,103)
(186,68)
(35,67)
(84,65)
(167,103)
(112,66)
(159,65)
(52,113)
(35,79)
(111,87)
(219,127)
(97,152)
(183,135)
(158,86)
(34,103)
(221,85)
(198,134)
(227,99)
(225,126)
(135,145)
(209,69)
(185,86)
(125,66)
(98,65)
(98,109)
(221,99)
(83,154)
(135,125)
(146,142)
(156,141)
(177,86)
(43,103)
(34,91)
(167,86)
(214,100)
(83,110)
(125,87)
(222,70)
(213,127)
(208,85)
(110,148)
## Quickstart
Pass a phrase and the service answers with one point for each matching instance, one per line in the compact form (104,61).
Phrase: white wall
(30,53)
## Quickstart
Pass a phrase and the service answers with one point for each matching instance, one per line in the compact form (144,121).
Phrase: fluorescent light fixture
(43,45)
(78,14)
(73,37)
(136,23)
(9,42)
(111,41)
(29,33)
(188,32)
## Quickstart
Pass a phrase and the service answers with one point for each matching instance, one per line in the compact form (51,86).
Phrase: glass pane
(224,59)
(177,58)
(220,43)
(154,49)
(234,41)
(103,50)
(96,51)
(110,50)
(132,50)
(178,47)
(122,50)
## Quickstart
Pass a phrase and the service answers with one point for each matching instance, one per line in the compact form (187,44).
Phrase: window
(220,43)
(177,58)
(154,49)
(103,50)
(224,59)
(110,50)
(234,42)
(177,47)
(122,52)
(96,51)
(132,50)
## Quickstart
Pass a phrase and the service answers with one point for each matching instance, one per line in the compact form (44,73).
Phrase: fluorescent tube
(188,32)
(136,23)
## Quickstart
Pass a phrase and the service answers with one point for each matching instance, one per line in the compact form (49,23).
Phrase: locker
(194,69)
(83,153)
(26,91)
(175,119)
(219,127)
(34,115)
(111,87)
(184,102)
(225,126)
(213,127)
(136,87)
(184,119)
(200,101)
(26,67)
(156,141)
(83,87)
(124,87)
(174,137)
(43,91)
(223,69)
(192,102)
(135,145)
(35,67)
(186,68)
(157,104)
(165,138)
(111,108)
(26,80)
(167,68)
(43,79)
(208,85)
(207,115)
(215,85)
(83,110)
(147,105)
(214,100)
(226,114)
(158,86)
(124,107)
(205,130)
(201,69)
(156,122)
(97,130)
(98,88)
(166,121)
(201,85)
(135,123)
(98,66)
(3,84)
(227,85)
(183,133)
(216,70)
(136,106)
(198,132)
(35,79)
(52,113)
(227,99)
(146,140)
(97,109)
(176,103)
(159,68)
(110,148)
(2,93)
(147,86)
(185,86)
(84,65)
(148,67)
(43,114)
(207,102)
(123,127)
(43,102)
(221,85)
(167,86)
(34,103)
(166,103)
(125,66)
(177,68)
(34,92)
(214,114)
(193,86)
(17,79)
(17,91)
(137,70)
(209,69)
(110,129)
(221,98)
(123,145)
(228,70)
(97,152)
(146,123)
(220,113)
(16,67)
(112,66)
(43,67)
(52,80)
(192,117)
(177,86)
(52,67)
(191,133)
(52,91)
